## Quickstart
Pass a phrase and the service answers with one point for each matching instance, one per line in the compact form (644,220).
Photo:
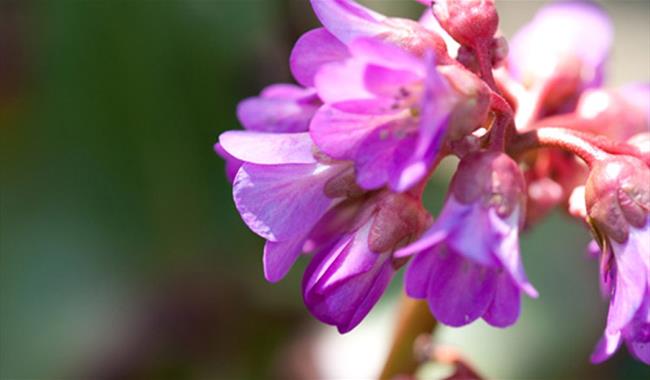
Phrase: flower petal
(341,81)
(460,290)
(631,278)
(279,257)
(418,274)
(280,108)
(281,202)
(376,156)
(339,133)
(313,50)
(606,347)
(268,148)
(505,308)
(341,285)
(232,164)
(561,30)
(348,20)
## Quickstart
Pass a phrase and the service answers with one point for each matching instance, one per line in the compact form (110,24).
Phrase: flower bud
(641,141)
(618,196)
(400,218)
(473,104)
(470,22)
(492,178)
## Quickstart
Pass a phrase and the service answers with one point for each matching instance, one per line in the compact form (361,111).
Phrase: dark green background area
(121,253)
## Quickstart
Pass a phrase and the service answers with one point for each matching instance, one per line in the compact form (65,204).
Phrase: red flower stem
(560,138)
(485,65)
(499,132)
(414,320)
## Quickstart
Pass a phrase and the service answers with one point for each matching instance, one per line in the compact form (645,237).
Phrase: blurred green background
(121,253)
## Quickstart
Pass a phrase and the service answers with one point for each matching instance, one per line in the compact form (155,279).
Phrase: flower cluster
(334,168)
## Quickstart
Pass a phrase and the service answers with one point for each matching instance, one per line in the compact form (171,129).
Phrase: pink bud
(641,141)
(492,178)
(471,109)
(470,22)
(617,194)
(399,219)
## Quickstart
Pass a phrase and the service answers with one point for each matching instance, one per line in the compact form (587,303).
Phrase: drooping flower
(280,191)
(467,264)
(352,267)
(617,197)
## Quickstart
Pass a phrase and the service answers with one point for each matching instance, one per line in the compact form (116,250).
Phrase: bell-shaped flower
(280,191)
(617,197)
(467,265)
(353,263)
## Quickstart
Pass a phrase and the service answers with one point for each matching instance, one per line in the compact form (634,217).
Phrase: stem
(485,65)
(558,138)
(499,132)
(414,319)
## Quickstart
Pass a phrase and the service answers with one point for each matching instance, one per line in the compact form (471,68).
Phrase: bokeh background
(121,253)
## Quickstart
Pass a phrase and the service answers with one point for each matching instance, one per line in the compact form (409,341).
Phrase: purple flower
(625,270)
(568,39)
(467,264)
(280,191)
(618,203)
(353,262)
(386,110)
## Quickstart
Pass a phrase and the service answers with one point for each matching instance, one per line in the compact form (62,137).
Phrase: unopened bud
(399,218)
(492,178)
(473,104)
(617,195)
(470,22)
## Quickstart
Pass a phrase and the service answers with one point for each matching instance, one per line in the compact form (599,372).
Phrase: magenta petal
(341,285)
(386,54)
(279,257)
(268,148)
(280,108)
(313,50)
(606,347)
(281,202)
(232,164)
(375,157)
(436,106)
(388,82)
(631,278)
(507,250)
(561,30)
(341,81)
(348,20)
(339,133)
(460,290)
(505,308)
(419,273)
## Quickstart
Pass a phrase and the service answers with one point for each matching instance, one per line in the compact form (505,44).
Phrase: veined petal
(339,133)
(281,202)
(386,54)
(348,20)
(268,148)
(313,50)
(419,273)
(384,81)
